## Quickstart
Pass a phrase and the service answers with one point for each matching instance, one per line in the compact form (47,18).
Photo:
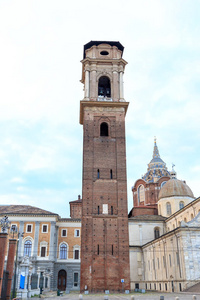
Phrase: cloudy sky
(41,45)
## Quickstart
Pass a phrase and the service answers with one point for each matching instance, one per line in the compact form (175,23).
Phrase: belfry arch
(104,87)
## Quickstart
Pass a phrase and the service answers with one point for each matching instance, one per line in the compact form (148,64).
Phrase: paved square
(137,296)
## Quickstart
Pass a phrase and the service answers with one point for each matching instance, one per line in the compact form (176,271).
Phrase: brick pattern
(76,209)
(152,190)
(140,211)
(104,244)
(3,244)
(10,265)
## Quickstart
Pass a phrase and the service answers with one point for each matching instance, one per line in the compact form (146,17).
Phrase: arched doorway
(62,280)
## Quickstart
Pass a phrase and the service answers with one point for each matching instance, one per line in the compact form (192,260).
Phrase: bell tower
(104,241)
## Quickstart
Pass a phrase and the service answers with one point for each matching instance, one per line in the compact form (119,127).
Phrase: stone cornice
(84,104)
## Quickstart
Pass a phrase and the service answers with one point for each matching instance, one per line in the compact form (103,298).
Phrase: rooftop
(24,209)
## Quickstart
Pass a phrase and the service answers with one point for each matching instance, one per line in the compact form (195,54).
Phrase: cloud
(41,48)
(17,180)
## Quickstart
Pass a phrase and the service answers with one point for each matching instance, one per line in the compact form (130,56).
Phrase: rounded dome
(175,187)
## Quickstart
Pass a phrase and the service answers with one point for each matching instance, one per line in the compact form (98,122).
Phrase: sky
(41,46)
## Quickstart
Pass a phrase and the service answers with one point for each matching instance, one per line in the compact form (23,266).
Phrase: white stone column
(92,86)
(140,233)
(115,84)
(87,84)
(26,277)
(48,282)
(121,86)
(29,282)
(44,282)
(38,280)
(18,279)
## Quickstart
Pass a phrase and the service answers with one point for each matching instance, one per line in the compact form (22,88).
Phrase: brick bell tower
(104,241)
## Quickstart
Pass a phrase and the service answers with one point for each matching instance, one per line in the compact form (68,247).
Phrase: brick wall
(105,248)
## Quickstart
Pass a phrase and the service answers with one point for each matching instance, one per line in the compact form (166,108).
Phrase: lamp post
(14,231)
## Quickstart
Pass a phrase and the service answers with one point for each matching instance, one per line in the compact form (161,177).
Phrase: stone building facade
(48,252)
(171,262)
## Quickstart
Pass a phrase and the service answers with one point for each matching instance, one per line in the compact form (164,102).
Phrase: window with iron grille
(27,248)
(63,251)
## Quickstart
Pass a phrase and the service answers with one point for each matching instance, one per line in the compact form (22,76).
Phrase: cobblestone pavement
(137,296)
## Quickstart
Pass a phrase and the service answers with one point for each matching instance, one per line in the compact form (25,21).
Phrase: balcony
(104,98)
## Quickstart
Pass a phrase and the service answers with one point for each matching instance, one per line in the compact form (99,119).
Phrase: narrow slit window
(112,250)
(111,210)
(98,209)
(98,249)
(98,174)
(111,174)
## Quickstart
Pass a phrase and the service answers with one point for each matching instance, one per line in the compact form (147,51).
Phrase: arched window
(27,248)
(185,220)
(168,208)
(141,194)
(63,251)
(181,204)
(104,87)
(104,129)
(192,216)
(156,232)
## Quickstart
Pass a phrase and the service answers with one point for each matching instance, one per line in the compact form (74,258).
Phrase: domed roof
(175,187)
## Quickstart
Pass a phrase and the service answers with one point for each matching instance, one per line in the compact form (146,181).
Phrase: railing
(104,98)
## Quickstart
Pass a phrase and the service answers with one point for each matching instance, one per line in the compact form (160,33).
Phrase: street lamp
(4,224)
